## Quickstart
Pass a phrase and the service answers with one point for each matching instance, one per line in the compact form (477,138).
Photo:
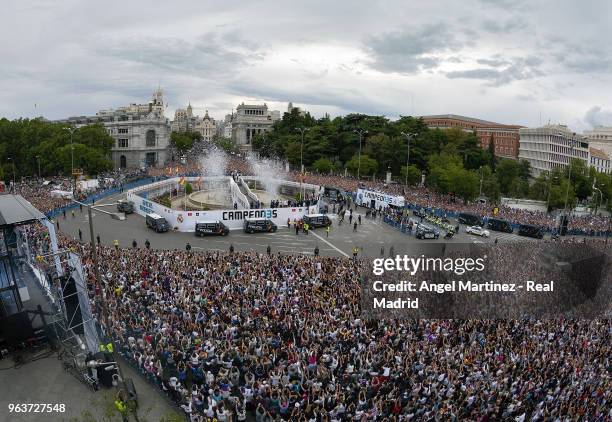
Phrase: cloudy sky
(502,60)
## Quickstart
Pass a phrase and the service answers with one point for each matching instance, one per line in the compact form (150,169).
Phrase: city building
(250,121)
(290,108)
(601,138)
(550,147)
(224,128)
(184,120)
(505,137)
(141,132)
(600,160)
(207,127)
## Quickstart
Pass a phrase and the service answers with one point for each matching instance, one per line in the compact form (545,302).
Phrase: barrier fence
(439,212)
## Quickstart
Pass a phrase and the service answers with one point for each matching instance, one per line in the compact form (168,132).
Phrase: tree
(323,165)
(226,144)
(507,172)
(414,175)
(181,141)
(188,189)
(369,166)
(491,150)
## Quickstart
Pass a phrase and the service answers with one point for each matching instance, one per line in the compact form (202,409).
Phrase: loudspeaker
(73,311)
(16,328)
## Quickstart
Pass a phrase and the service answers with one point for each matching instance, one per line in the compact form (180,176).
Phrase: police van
(157,223)
(317,220)
(259,225)
(469,219)
(530,231)
(205,228)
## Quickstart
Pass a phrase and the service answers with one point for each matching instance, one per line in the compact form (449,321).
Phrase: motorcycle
(449,235)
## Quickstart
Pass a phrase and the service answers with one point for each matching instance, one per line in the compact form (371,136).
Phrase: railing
(99,195)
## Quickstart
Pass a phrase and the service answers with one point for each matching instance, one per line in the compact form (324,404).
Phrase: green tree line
(25,144)
(452,160)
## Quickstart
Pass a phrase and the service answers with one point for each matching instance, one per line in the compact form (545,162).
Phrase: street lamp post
(550,179)
(408,136)
(361,132)
(72,130)
(600,198)
(13,165)
(97,281)
(302,130)
(569,175)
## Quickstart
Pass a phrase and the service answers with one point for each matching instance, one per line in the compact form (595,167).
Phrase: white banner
(369,198)
(184,221)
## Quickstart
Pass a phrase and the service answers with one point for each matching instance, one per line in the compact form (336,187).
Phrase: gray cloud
(511,25)
(410,51)
(495,62)
(517,69)
(206,54)
(596,116)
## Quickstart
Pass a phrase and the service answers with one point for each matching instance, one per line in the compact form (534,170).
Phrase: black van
(259,225)
(530,231)
(469,219)
(157,223)
(317,220)
(126,207)
(204,228)
(499,225)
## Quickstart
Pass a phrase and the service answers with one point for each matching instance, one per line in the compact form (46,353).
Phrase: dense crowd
(422,197)
(416,197)
(283,338)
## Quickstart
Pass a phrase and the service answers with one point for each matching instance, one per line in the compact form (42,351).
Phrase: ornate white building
(207,127)
(141,132)
(250,121)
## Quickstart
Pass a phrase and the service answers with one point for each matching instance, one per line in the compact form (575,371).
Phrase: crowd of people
(422,197)
(416,197)
(280,337)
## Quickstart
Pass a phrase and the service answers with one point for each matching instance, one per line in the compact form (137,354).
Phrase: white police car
(478,231)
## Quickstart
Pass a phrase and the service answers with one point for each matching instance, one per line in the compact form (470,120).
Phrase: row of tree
(29,145)
(453,160)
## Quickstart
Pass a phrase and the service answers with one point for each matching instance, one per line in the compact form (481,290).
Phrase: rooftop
(14,209)
(482,123)
(597,153)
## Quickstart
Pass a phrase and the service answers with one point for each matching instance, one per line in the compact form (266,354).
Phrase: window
(122,143)
(150,138)
(122,162)
(122,130)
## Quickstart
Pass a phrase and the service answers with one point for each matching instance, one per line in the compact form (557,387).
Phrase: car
(203,228)
(259,225)
(531,231)
(469,219)
(157,223)
(126,207)
(478,231)
(316,220)
(426,232)
(499,225)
